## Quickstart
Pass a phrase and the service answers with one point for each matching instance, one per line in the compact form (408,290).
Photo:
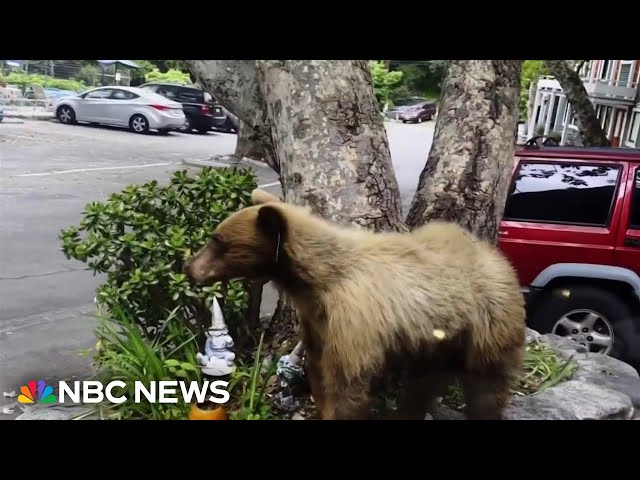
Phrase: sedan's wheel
(66,115)
(139,124)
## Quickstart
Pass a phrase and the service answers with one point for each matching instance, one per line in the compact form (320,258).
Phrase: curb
(29,117)
(207,163)
(223,161)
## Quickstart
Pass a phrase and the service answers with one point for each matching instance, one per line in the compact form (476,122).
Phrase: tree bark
(530,104)
(467,173)
(249,144)
(234,84)
(591,132)
(329,136)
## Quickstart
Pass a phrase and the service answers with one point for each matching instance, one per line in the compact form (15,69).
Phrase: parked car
(231,123)
(571,228)
(415,111)
(54,93)
(138,109)
(201,112)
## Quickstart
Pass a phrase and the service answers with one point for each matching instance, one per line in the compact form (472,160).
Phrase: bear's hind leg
(420,395)
(486,395)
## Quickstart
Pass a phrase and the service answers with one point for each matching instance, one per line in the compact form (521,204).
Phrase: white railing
(611,88)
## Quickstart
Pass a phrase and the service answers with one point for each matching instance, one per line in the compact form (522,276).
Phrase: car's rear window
(191,95)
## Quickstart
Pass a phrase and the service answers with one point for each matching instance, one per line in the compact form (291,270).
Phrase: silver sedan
(139,110)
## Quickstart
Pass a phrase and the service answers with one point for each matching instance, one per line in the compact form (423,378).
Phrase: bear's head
(245,245)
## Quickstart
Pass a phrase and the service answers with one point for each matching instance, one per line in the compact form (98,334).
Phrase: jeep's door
(561,210)
(628,239)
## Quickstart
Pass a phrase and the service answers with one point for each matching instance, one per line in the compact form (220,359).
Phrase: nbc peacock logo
(42,394)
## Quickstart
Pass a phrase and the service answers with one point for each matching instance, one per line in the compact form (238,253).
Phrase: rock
(609,372)
(532,335)
(446,413)
(564,346)
(297,416)
(572,400)
(536,408)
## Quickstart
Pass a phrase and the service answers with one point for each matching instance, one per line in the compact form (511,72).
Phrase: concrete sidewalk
(28,113)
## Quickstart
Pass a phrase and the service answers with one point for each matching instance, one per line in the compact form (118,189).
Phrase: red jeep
(571,228)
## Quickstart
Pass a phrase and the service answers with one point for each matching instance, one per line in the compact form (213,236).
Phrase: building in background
(612,86)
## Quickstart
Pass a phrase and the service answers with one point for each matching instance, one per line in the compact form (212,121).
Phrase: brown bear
(437,303)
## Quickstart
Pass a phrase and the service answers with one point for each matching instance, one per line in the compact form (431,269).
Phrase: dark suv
(571,228)
(201,111)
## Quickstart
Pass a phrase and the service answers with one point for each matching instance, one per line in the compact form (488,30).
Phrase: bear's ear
(258,197)
(271,221)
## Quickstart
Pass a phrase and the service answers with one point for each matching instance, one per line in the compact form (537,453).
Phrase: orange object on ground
(199,413)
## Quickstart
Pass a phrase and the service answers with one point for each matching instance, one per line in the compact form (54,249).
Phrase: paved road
(48,173)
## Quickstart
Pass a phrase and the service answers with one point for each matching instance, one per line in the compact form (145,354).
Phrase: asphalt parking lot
(48,173)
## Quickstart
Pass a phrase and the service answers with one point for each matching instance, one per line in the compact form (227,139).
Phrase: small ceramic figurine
(290,371)
(217,360)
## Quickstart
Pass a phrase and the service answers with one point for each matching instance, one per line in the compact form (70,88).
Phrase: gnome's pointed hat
(217,320)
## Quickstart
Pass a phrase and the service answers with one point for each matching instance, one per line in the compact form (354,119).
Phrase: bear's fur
(436,301)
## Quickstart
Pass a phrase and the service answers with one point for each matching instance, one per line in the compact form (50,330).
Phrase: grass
(543,369)
(250,389)
(124,354)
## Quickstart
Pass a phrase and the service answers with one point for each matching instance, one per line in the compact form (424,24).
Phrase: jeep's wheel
(593,317)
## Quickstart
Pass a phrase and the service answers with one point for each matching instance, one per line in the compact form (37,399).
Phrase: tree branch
(591,132)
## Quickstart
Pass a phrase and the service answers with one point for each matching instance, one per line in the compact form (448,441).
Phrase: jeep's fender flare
(587,270)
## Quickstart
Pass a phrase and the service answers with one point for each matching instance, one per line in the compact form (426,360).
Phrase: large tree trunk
(249,144)
(234,84)
(591,132)
(328,134)
(332,147)
(469,166)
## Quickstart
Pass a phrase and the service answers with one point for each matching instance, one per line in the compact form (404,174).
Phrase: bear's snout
(198,267)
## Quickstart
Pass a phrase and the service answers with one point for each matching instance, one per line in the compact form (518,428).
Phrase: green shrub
(23,80)
(172,75)
(124,354)
(140,238)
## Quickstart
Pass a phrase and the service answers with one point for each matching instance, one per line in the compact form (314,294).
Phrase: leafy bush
(172,75)
(24,80)
(140,238)
(124,354)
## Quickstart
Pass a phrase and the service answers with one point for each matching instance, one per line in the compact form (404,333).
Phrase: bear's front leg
(346,399)
(314,375)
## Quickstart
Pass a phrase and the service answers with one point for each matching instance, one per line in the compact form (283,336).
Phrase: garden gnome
(217,360)
(290,371)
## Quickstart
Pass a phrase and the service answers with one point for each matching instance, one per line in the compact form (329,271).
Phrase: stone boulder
(602,388)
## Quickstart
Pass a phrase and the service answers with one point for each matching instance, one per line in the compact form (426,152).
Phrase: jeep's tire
(558,302)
